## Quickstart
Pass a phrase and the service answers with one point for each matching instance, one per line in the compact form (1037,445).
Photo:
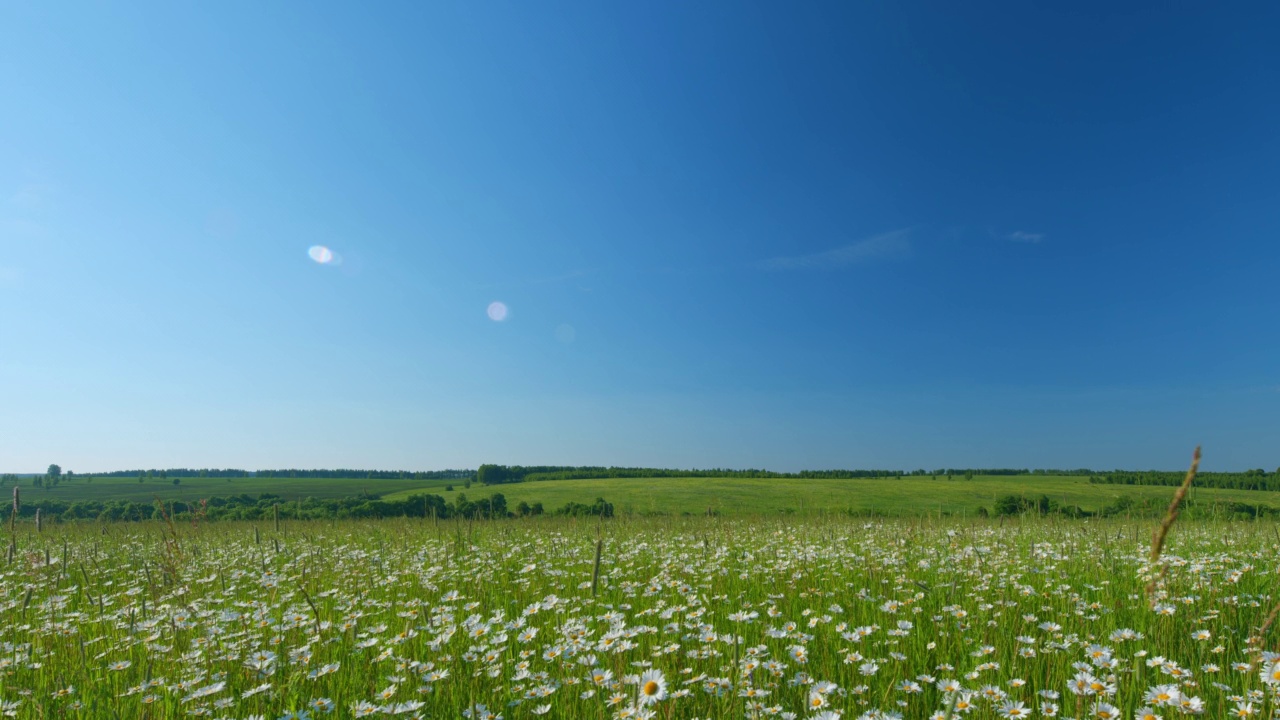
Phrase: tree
(54,471)
(493,474)
(177,481)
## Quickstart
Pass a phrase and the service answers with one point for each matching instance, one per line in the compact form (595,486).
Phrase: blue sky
(814,236)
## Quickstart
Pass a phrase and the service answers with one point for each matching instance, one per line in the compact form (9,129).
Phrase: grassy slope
(194,488)
(733,496)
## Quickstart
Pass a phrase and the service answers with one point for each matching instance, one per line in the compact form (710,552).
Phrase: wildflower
(1082,684)
(949,686)
(1012,709)
(1105,711)
(1270,673)
(1191,705)
(653,687)
(1162,696)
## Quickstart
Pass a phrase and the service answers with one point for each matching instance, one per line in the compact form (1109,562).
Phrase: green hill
(892,496)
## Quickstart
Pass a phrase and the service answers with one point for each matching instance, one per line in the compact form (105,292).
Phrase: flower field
(667,618)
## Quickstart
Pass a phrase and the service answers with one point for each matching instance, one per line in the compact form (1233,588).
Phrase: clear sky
(779,235)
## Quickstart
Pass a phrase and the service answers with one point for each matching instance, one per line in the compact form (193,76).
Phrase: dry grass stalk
(1157,540)
(1255,642)
(595,570)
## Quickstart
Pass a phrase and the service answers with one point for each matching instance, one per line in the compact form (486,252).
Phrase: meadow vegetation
(707,617)
(1070,496)
(1064,601)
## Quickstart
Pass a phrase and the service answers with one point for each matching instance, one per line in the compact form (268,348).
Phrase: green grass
(113,488)
(891,496)
(415,618)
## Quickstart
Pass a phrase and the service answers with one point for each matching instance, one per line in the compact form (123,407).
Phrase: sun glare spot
(320,254)
(497,311)
(565,333)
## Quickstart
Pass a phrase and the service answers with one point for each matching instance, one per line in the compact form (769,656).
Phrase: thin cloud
(889,245)
(1025,237)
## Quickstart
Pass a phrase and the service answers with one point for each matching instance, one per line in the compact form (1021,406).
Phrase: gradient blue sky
(783,235)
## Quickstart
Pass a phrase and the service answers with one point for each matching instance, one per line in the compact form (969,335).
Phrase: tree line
(490,474)
(340,473)
(1126,506)
(1257,479)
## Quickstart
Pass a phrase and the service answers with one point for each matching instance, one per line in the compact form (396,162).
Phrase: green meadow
(654,618)
(889,496)
(730,496)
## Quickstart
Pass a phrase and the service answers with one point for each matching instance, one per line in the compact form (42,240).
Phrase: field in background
(891,496)
(663,495)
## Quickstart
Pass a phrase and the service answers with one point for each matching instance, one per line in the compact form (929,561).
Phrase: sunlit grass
(737,618)
(890,496)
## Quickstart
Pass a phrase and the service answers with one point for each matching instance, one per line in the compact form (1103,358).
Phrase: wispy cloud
(889,245)
(1025,237)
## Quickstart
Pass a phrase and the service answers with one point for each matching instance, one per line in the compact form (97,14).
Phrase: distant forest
(498,474)
(291,473)
(1257,479)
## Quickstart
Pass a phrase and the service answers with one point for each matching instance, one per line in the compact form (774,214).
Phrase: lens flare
(565,333)
(320,254)
(497,311)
